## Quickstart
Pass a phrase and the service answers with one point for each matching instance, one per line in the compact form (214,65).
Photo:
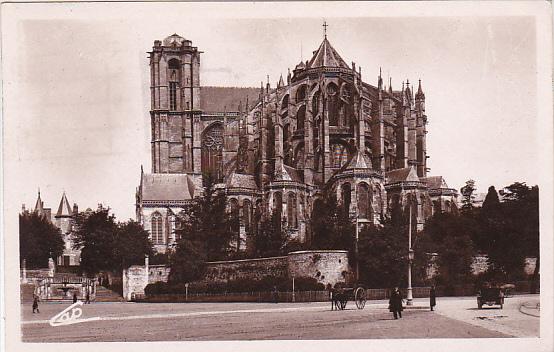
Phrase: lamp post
(356,249)
(409,297)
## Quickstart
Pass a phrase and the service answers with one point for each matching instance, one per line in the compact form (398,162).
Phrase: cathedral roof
(327,56)
(241,181)
(64,209)
(435,182)
(220,99)
(293,173)
(175,40)
(359,161)
(166,187)
(399,175)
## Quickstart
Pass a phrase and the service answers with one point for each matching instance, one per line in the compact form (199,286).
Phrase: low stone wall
(225,271)
(327,266)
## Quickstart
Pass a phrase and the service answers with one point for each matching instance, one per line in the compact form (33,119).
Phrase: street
(454,318)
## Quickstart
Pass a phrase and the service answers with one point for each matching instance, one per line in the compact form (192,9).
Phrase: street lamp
(409,297)
(356,249)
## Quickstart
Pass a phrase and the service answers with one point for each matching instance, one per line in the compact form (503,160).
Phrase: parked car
(490,296)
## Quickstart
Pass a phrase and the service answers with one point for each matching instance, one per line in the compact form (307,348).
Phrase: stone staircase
(104,294)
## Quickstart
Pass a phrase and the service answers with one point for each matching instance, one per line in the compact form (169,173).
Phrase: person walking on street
(74,297)
(35,304)
(395,303)
(432,297)
(275,295)
(87,298)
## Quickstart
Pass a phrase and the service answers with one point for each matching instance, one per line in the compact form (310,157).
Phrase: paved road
(519,316)
(249,321)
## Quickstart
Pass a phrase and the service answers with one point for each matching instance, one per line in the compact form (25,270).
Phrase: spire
(325,25)
(420,94)
(247,107)
(64,209)
(380,80)
(267,86)
(281,82)
(39,205)
(390,85)
(288,78)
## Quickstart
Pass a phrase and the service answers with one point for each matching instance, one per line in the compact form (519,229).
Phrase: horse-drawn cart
(341,296)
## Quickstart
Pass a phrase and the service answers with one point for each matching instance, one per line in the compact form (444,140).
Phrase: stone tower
(175,107)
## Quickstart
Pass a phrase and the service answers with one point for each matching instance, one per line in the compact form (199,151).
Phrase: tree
(513,231)
(107,245)
(132,244)
(206,233)
(449,236)
(331,225)
(383,255)
(95,235)
(39,240)
(467,195)
(270,240)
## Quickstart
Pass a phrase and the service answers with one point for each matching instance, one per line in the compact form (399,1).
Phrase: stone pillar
(51,267)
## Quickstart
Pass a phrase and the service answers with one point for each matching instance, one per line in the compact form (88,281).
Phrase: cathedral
(276,149)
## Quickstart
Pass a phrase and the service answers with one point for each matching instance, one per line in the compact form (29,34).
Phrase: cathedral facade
(277,149)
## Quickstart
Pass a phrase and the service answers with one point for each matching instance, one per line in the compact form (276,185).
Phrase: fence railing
(307,296)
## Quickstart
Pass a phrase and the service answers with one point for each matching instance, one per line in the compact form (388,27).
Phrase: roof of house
(165,187)
(220,99)
(241,180)
(435,182)
(403,174)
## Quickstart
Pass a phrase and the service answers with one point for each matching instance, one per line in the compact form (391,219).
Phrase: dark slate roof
(241,180)
(294,174)
(359,161)
(399,175)
(435,182)
(64,209)
(217,99)
(326,56)
(167,187)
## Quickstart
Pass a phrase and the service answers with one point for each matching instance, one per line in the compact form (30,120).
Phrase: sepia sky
(76,85)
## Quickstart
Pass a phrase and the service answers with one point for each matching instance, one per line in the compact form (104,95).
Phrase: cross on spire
(325,25)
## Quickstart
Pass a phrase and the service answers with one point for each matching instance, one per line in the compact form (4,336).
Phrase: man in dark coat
(432,297)
(35,304)
(74,297)
(395,303)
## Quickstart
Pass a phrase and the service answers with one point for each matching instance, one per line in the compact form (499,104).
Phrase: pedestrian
(395,303)
(74,297)
(35,304)
(432,297)
(87,298)
(275,295)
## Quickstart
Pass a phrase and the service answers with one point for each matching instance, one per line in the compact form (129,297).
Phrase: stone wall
(327,266)
(224,271)
(135,279)
(158,273)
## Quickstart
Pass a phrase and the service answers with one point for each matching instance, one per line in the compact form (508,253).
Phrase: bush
(157,288)
(265,284)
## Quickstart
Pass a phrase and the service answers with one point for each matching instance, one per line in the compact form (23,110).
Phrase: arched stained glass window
(212,152)
(364,203)
(157,228)
(292,214)
(339,155)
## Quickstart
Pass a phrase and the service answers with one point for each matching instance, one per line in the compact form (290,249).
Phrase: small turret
(420,95)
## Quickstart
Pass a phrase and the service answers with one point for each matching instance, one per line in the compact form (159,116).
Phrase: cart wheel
(360,297)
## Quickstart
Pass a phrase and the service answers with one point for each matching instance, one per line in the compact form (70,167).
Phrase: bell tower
(175,105)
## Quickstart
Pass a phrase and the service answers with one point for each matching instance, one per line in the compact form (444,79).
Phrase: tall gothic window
(315,104)
(173,96)
(346,195)
(277,202)
(212,152)
(247,215)
(339,155)
(301,117)
(292,215)
(157,228)
(364,204)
